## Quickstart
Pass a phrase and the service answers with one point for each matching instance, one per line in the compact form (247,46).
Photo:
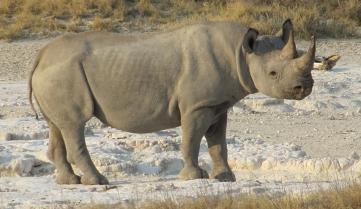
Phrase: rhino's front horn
(306,60)
(289,50)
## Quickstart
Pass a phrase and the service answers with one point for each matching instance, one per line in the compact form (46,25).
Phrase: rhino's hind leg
(57,154)
(194,127)
(64,97)
(79,155)
(217,147)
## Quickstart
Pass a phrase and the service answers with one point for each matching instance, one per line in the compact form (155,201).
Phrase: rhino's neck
(243,72)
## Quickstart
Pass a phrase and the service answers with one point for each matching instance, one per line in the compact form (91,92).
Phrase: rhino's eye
(273,74)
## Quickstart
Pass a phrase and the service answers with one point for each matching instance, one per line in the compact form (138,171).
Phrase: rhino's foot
(67,178)
(188,173)
(94,180)
(224,176)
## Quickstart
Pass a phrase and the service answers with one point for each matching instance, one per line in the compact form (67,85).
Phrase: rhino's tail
(30,86)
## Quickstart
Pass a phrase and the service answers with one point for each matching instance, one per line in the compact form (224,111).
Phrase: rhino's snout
(302,90)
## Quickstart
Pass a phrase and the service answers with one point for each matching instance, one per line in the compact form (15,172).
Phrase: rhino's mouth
(302,90)
(299,94)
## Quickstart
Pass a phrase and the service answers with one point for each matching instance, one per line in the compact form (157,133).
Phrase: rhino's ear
(249,40)
(286,31)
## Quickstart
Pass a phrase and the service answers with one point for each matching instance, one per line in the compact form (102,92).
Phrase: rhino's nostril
(298,88)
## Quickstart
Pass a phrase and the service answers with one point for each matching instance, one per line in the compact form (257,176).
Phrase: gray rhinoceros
(187,77)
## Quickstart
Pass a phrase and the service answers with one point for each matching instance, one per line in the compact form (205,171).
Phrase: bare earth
(274,144)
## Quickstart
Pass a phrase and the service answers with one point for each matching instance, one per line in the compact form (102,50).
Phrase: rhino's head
(276,68)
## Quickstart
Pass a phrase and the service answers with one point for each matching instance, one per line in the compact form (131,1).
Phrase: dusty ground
(275,145)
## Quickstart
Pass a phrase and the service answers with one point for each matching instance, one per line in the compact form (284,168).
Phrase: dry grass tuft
(100,24)
(336,198)
(327,18)
(146,8)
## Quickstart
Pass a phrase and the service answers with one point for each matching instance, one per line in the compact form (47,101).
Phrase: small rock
(247,131)
(295,147)
(171,186)
(259,141)
(231,140)
(88,131)
(259,190)
(298,154)
(23,166)
(354,156)
(332,117)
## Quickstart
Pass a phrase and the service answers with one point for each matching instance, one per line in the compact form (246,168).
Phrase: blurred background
(46,18)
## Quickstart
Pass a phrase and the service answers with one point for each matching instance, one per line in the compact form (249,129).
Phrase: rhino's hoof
(188,173)
(225,176)
(94,180)
(68,178)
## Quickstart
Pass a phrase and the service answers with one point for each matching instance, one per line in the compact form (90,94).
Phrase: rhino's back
(136,80)
(70,45)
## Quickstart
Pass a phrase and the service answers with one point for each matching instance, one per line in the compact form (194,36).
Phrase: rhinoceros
(187,77)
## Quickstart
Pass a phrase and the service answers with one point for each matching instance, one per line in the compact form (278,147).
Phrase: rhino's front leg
(194,126)
(217,147)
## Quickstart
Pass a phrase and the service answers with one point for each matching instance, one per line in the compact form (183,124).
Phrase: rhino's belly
(134,108)
(135,119)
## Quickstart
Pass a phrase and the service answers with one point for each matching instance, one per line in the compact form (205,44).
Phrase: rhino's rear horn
(289,49)
(249,40)
(306,60)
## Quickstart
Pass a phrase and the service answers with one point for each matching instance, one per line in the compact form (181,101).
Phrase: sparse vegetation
(24,18)
(100,24)
(336,198)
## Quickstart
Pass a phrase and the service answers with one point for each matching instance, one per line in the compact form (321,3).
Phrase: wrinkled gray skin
(143,83)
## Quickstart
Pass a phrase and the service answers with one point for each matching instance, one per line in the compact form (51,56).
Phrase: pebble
(354,156)
(247,131)
(259,190)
